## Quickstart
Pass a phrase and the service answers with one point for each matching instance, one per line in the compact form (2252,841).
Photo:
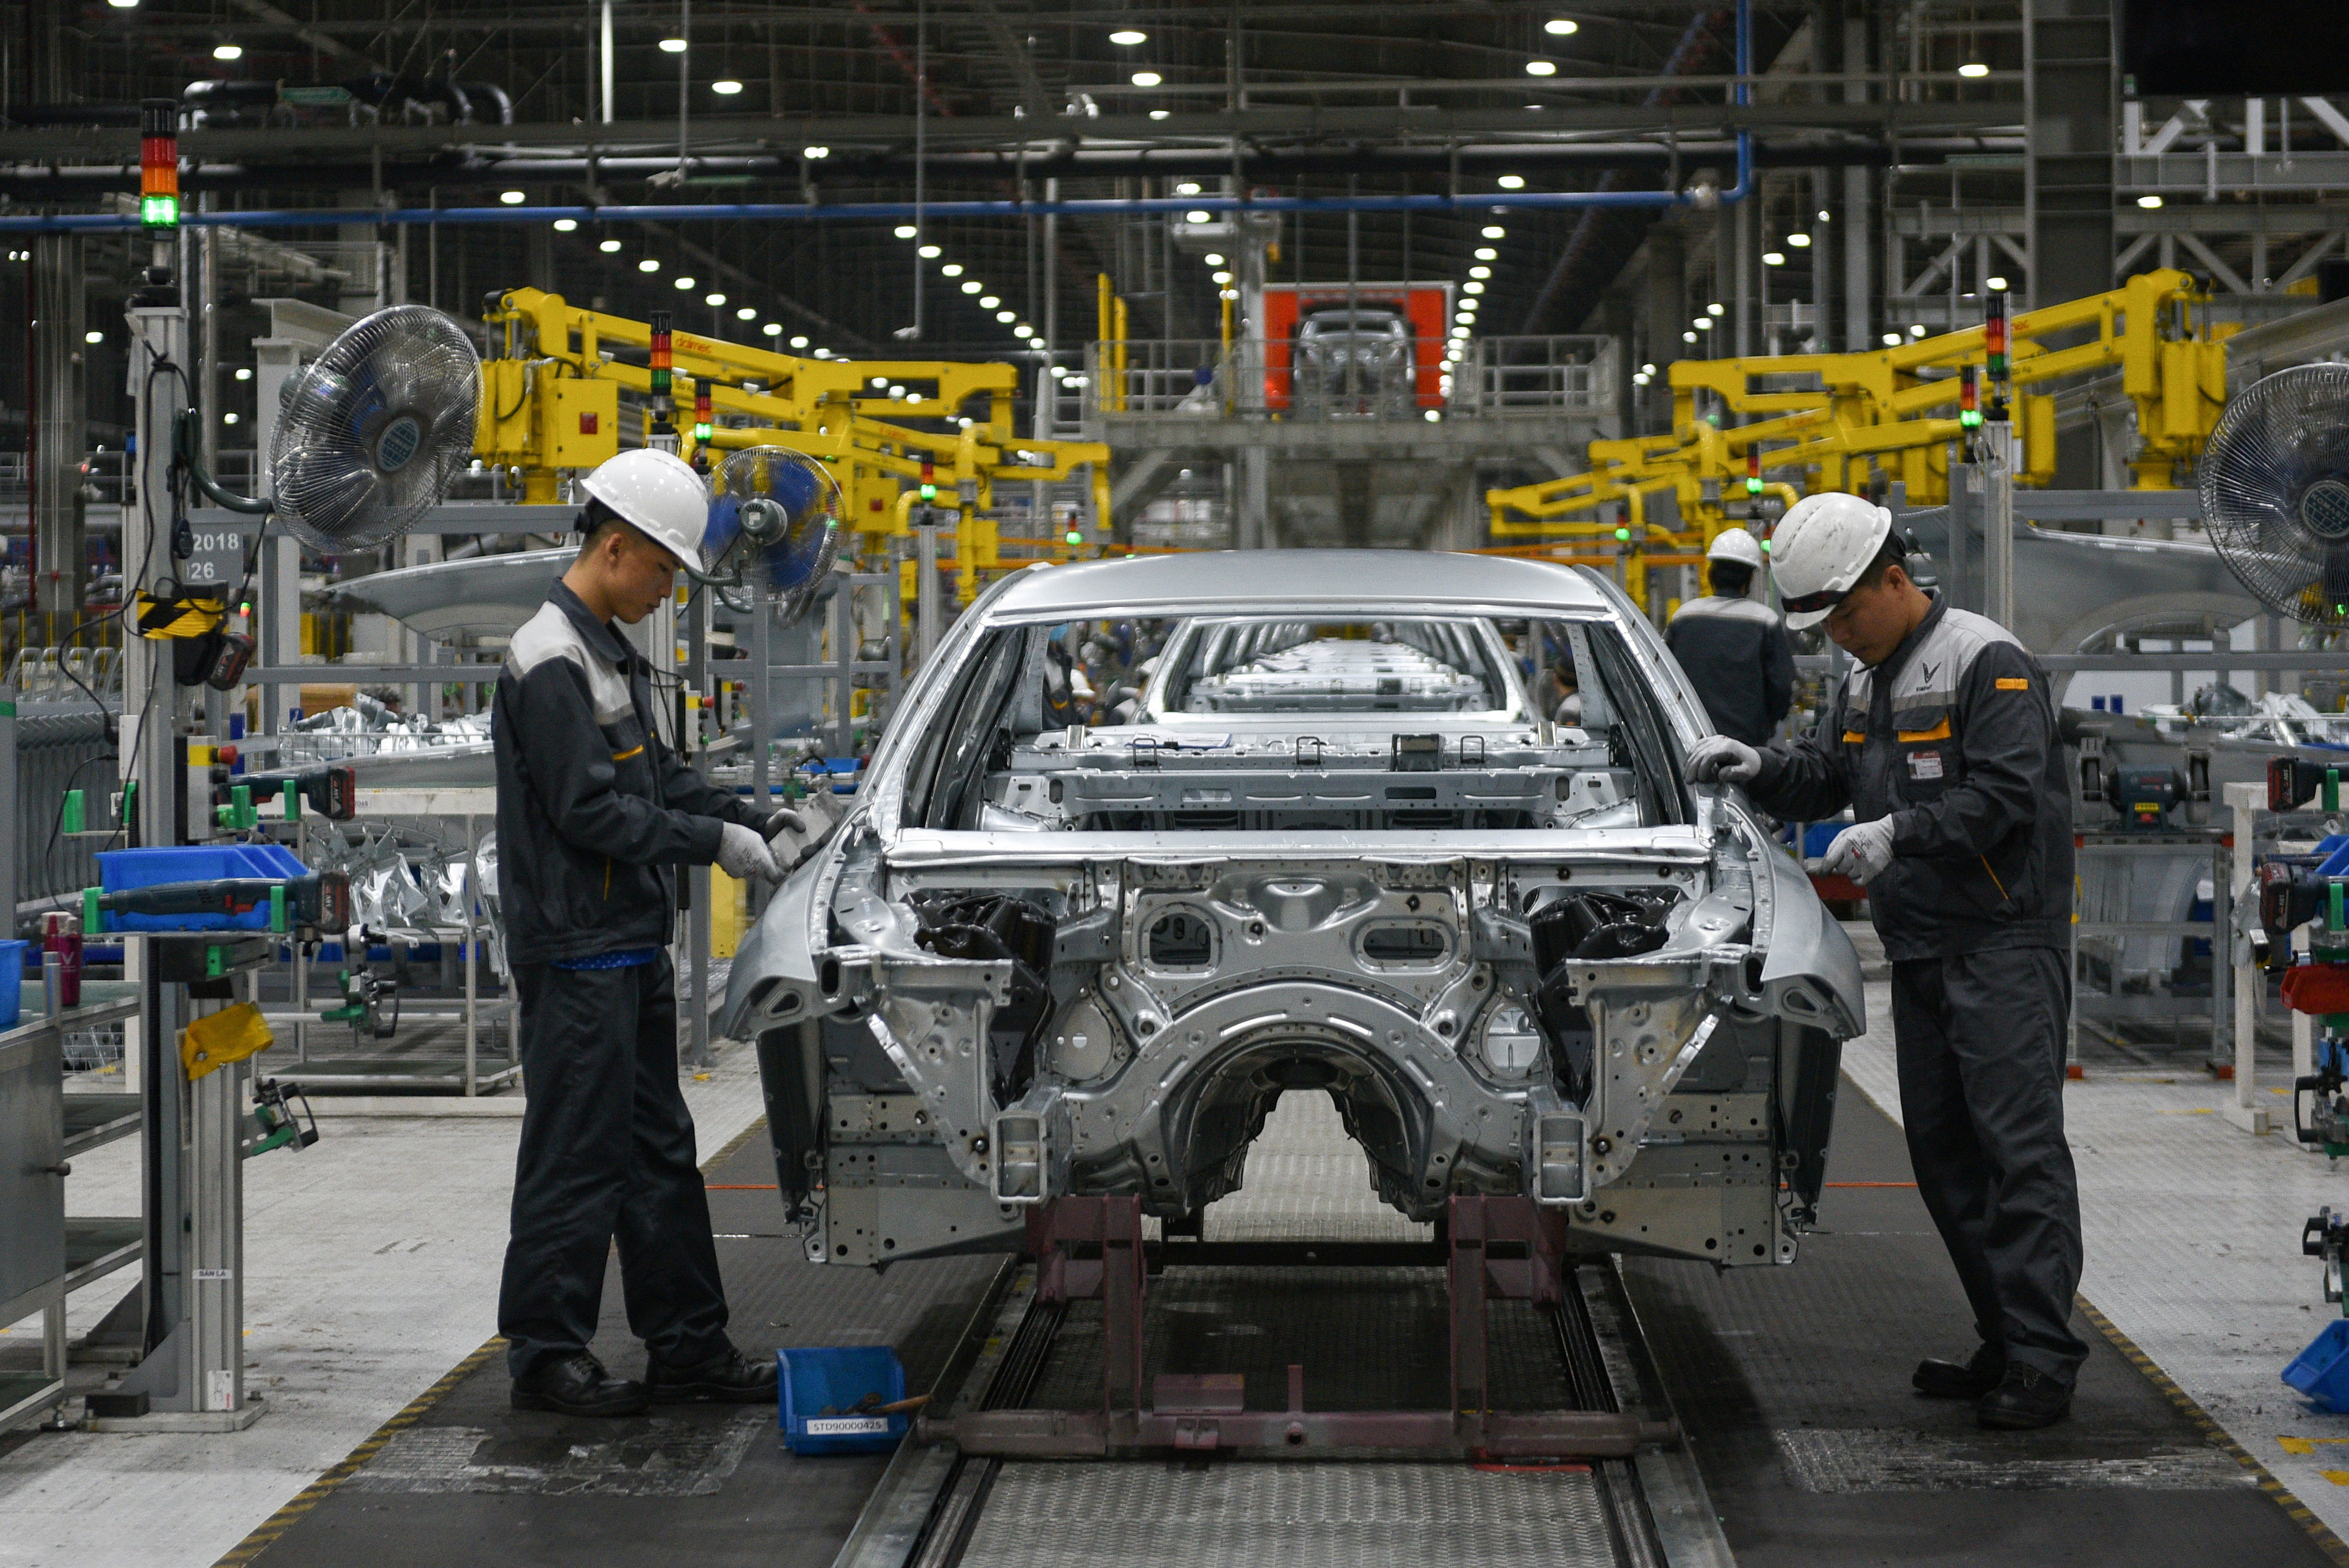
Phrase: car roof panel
(1355,584)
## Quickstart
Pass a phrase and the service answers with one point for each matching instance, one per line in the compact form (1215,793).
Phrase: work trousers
(1980,1039)
(607,1152)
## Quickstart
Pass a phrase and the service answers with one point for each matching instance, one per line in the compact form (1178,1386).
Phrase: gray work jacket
(1954,737)
(592,807)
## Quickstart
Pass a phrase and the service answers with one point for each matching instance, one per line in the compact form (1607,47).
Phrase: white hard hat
(658,494)
(1821,549)
(1737,546)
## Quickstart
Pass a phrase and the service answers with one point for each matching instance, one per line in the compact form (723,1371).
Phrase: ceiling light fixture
(1126,37)
(227,52)
(1212,259)
(1188,188)
(513,197)
(989,302)
(1995,284)
(725,86)
(608,246)
(1773,258)
(1541,67)
(1716,308)
(1007,316)
(647,265)
(815,153)
(1480,272)
(775,329)
(1147,79)
(1495,232)
(798,342)
(746,314)
(1511,182)
(1799,241)
(952,269)
(1487,252)
(1561,27)
(1974,69)
(1199,217)
(672,46)
(973,286)
(1687,336)
(905,231)
(2149,202)
(1891,339)
(685,282)
(931,253)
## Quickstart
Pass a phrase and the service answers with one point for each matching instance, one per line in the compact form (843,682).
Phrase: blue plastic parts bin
(2322,1371)
(121,870)
(837,1379)
(12,983)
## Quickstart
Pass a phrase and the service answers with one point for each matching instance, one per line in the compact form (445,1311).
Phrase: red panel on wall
(1427,306)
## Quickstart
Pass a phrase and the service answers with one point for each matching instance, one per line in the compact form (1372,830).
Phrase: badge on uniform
(1924,765)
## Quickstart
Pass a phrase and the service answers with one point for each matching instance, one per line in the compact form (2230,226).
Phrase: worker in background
(1943,742)
(1734,648)
(593,810)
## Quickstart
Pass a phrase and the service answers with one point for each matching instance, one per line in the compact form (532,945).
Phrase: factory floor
(372,1262)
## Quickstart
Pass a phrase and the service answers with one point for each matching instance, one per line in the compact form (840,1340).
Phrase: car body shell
(1181,968)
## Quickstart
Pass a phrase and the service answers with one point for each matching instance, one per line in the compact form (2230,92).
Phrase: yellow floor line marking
(267,1531)
(2197,1111)
(2305,1445)
(2332,1545)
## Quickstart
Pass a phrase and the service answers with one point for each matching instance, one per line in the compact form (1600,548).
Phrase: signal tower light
(1969,399)
(929,482)
(1995,358)
(662,434)
(1754,471)
(703,421)
(159,164)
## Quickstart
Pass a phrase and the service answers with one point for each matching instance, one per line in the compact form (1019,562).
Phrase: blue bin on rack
(837,1379)
(2322,1371)
(121,870)
(12,983)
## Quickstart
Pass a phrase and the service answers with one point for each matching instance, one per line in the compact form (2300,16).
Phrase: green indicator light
(1766,546)
(1076,536)
(930,493)
(1970,419)
(1752,487)
(701,433)
(1623,533)
(158,211)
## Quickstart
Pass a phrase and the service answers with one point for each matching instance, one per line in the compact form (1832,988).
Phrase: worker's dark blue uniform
(593,811)
(1735,652)
(1954,738)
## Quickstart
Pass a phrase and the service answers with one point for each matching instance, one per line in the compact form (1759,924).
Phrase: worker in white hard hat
(594,808)
(1943,743)
(1733,646)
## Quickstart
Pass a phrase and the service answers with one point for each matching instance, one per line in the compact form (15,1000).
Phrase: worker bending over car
(1943,743)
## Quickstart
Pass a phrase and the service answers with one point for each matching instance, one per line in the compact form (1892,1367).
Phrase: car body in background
(1354,364)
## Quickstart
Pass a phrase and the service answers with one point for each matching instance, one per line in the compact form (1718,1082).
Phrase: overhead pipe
(875,212)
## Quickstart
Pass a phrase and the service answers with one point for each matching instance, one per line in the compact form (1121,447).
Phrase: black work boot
(1969,1379)
(577,1385)
(729,1377)
(2024,1400)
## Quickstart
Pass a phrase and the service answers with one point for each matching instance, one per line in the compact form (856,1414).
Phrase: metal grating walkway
(1130,1515)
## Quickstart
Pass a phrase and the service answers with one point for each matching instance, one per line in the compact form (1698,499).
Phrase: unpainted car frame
(1623,1002)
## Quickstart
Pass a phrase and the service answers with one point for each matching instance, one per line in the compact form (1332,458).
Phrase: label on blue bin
(845,1426)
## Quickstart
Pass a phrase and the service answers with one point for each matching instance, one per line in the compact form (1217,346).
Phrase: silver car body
(1336,852)
(1355,364)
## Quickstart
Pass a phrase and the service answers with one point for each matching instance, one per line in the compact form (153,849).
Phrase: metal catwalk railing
(1205,378)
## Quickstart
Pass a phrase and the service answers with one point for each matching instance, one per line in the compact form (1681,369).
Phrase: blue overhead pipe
(791,211)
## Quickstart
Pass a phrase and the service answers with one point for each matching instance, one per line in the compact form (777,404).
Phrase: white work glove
(742,854)
(1718,759)
(1860,852)
(795,833)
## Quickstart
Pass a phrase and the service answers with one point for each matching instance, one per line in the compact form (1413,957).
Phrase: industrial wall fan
(781,511)
(374,429)
(2275,492)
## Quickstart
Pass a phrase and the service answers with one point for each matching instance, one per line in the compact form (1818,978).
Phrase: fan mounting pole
(158,383)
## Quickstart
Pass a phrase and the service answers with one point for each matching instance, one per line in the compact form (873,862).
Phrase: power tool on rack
(275,1124)
(239,799)
(319,903)
(370,1004)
